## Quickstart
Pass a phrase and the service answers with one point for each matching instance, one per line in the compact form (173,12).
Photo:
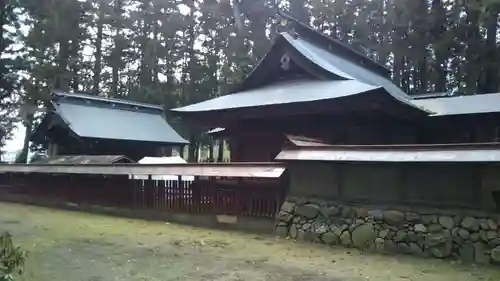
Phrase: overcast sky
(17,141)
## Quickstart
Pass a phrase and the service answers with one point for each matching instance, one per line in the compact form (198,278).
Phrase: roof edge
(404,154)
(82,96)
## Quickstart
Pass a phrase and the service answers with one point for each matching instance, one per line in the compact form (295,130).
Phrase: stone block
(293,231)
(376,215)
(285,217)
(420,228)
(429,219)
(320,229)
(492,224)
(474,237)
(361,212)
(491,235)
(393,217)
(363,236)
(463,233)
(282,231)
(415,249)
(346,212)
(412,217)
(480,255)
(330,238)
(306,235)
(466,253)
(329,211)
(309,211)
(447,222)
(435,227)
(482,235)
(383,233)
(495,255)
(470,223)
(345,238)
(401,236)
(288,207)
(483,224)
(494,243)
(442,250)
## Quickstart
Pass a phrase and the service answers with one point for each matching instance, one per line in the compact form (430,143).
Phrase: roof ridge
(84,96)
(350,52)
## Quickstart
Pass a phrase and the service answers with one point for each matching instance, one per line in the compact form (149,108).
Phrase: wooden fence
(254,197)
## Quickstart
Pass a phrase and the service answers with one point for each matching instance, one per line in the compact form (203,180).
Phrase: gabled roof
(459,105)
(343,67)
(320,56)
(101,118)
(343,78)
(340,48)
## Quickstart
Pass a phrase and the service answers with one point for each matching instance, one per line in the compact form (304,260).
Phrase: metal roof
(242,170)
(340,47)
(354,79)
(343,67)
(64,95)
(483,103)
(305,141)
(86,159)
(93,121)
(283,93)
(395,153)
(430,95)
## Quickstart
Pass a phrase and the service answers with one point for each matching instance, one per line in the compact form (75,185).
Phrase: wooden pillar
(490,183)
(220,156)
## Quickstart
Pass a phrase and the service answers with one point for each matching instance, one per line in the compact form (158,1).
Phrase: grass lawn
(71,246)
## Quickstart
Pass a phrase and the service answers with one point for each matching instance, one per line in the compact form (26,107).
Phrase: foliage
(12,258)
(9,66)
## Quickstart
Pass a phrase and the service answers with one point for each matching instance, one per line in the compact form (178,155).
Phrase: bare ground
(66,245)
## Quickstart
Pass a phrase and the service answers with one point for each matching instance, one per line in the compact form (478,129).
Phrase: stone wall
(468,236)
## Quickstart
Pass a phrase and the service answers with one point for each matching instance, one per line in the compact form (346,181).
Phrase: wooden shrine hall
(311,85)
(79,124)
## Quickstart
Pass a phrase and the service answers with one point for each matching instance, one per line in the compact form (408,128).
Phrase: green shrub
(11,258)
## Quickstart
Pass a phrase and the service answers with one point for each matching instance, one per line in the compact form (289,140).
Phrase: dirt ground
(66,245)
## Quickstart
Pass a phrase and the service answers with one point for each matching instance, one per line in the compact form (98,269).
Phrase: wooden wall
(454,185)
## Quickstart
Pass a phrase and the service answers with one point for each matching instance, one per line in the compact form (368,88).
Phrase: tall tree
(10,64)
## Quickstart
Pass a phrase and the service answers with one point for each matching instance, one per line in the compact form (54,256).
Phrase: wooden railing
(254,197)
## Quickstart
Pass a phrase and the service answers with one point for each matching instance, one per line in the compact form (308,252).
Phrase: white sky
(17,141)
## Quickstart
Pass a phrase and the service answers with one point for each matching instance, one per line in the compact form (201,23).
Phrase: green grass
(66,245)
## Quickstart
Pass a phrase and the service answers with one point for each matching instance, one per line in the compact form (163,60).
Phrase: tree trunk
(61,80)
(146,56)
(117,51)
(98,49)
(490,53)
(438,16)
(472,68)
(28,125)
